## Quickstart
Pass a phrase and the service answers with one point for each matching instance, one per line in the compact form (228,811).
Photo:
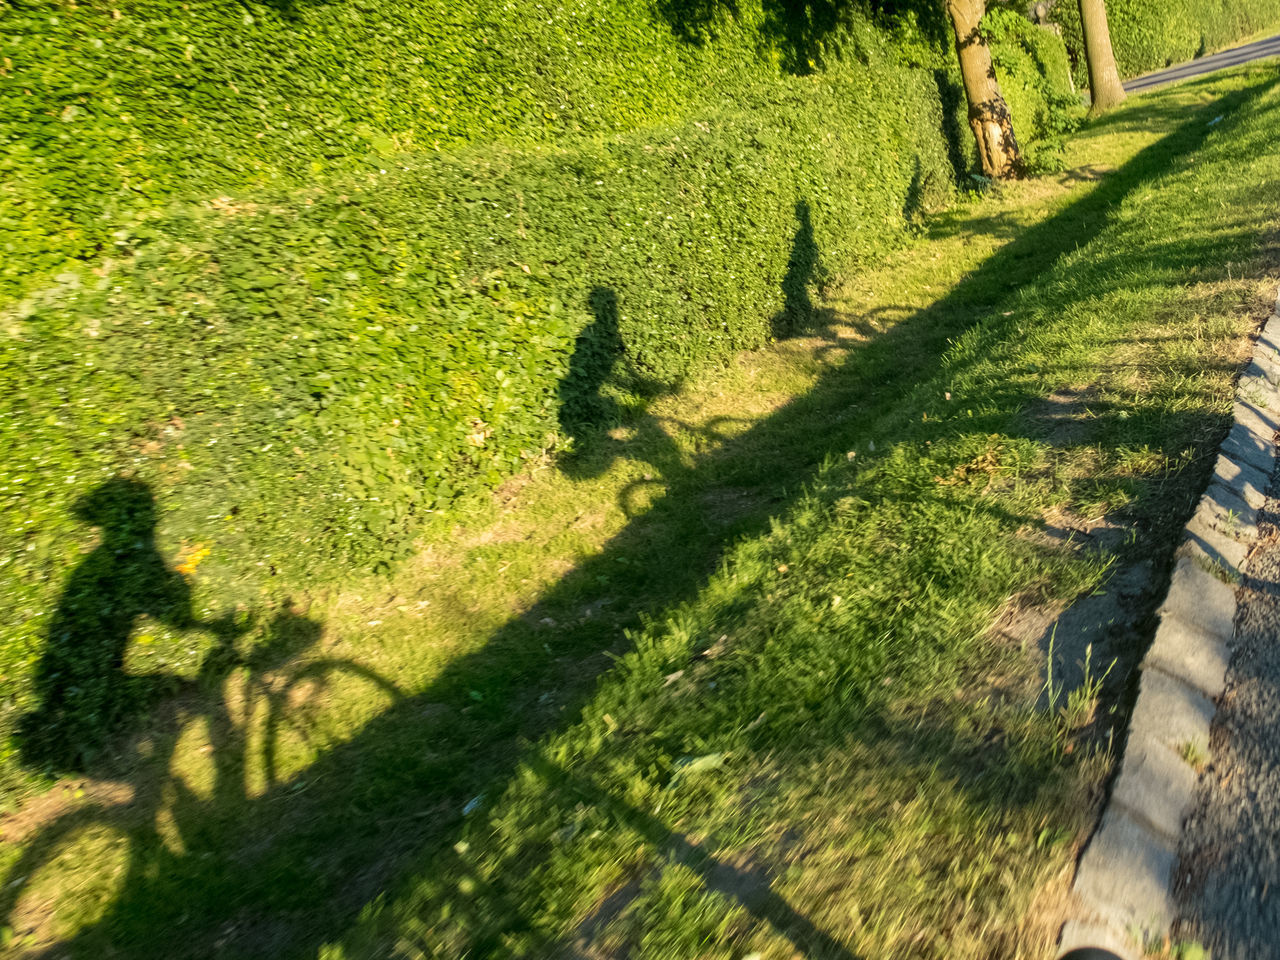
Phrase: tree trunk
(1105,88)
(988,113)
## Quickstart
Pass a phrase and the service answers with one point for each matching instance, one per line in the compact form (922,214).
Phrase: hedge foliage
(301,335)
(1148,35)
(109,107)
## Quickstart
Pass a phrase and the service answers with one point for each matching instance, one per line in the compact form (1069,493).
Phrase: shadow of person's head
(123,510)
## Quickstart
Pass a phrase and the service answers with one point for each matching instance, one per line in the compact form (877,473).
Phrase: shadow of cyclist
(91,708)
(84,692)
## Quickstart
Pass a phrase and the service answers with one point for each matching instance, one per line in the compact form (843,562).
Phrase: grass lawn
(760,670)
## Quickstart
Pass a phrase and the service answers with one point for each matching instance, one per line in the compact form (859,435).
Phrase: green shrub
(1031,64)
(108,109)
(1148,35)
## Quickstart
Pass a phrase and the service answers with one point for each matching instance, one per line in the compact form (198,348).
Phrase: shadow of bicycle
(122,729)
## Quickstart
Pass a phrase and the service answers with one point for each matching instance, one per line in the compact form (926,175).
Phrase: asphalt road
(1218,61)
(1229,872)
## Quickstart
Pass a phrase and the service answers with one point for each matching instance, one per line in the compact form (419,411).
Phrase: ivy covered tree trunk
(1105,88)
(988,113)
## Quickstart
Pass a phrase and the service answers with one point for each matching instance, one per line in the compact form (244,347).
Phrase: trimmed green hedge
(1148,35)
(110,107)
(108,110)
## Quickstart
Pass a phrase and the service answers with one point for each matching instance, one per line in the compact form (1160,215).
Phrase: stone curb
(1123,890)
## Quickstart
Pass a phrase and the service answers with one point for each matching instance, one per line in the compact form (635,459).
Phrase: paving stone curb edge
(1123,892)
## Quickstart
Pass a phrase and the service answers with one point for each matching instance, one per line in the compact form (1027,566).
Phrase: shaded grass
(726,693)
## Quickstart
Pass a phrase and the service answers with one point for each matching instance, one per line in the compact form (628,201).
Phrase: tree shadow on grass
(735,873)
(746,886)
(285,871)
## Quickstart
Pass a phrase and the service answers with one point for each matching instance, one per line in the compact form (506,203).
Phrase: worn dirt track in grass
(712,689)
